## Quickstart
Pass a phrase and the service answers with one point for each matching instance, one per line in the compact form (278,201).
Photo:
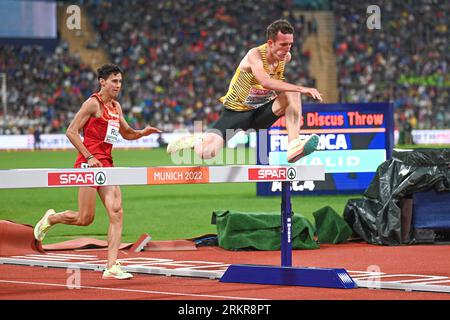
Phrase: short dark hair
(279,25)
(108,69)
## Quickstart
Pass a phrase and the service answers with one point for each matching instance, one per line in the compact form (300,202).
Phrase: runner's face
(112,85)
(281,46)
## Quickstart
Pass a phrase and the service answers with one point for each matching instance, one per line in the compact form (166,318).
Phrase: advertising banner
(354,139)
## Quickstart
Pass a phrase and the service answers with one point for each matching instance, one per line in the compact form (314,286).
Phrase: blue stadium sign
(354,140)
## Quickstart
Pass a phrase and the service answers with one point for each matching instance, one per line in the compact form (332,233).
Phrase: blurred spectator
(37,138)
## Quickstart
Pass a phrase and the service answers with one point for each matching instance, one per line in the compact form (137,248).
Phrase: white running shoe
(42,227)
(116,272)
(186,142)
(298,149)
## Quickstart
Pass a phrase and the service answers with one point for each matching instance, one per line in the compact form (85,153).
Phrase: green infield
(423,146)
(165,212)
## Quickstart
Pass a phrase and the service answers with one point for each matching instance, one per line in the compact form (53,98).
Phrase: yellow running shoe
(115,272)
(42,227)
(186,142)
(298,149)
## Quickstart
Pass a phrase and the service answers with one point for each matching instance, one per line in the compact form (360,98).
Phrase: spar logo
(76,178)
(271,174)
(291,174)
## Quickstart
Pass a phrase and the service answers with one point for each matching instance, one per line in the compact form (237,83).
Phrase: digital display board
(28,19)
(354,139)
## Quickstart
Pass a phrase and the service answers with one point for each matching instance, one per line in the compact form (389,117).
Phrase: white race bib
(112,133)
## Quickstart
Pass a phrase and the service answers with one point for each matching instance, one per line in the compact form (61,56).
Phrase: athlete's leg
(83,217)
(208,145)
(290,105)
(229,123)
(112,199)
(86,210)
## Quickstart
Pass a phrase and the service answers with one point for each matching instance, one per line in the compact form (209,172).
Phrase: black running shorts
(260,118)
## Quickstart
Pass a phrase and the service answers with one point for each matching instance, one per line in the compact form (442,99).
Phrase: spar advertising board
(354,140)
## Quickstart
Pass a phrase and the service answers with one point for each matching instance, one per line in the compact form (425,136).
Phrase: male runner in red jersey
(101,119)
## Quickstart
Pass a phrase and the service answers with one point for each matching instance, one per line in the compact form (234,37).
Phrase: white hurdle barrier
(282,275)
(43,178)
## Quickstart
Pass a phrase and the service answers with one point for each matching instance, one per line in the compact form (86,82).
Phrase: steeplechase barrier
(285,274)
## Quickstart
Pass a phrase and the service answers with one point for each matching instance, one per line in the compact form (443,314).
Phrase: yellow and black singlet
(245,93)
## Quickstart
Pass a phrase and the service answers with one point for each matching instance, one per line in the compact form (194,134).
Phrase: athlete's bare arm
(129,133)
(252,62)
(90,108)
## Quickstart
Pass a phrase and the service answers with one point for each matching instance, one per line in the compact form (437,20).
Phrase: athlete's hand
(94,163)
(148,131)
(312,92)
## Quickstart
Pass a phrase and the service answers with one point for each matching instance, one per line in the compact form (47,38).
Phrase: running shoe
(116,272)
(186,142)
(42,227)
(298,149)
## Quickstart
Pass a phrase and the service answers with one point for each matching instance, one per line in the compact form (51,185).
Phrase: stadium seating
(179,56)
(406,62)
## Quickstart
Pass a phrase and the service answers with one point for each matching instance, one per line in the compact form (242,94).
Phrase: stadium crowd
(407,62)
(44,90)
(178,57)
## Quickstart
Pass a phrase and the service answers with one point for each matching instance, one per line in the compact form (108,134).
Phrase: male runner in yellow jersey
(257,97)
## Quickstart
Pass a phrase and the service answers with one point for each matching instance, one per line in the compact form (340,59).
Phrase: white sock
(293,143)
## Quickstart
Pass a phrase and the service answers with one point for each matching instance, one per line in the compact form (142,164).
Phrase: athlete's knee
(280,104)
(85,220)
(115,214)
(209,153)
(209,147)
(205,153)
(285,101)
(294,100)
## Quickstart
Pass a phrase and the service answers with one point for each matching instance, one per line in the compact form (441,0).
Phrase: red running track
(38,283)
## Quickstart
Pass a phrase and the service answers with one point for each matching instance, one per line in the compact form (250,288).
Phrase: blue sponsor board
(354,139)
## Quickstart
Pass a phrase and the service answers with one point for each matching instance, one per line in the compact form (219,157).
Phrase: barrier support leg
(286,225)
(286,274)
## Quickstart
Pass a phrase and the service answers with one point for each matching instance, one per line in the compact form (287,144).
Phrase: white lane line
(38,258)
(132,290)
(437,281)
(72,255)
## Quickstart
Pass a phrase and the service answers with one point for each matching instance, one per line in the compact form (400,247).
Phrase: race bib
(112,133)
(259,97)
